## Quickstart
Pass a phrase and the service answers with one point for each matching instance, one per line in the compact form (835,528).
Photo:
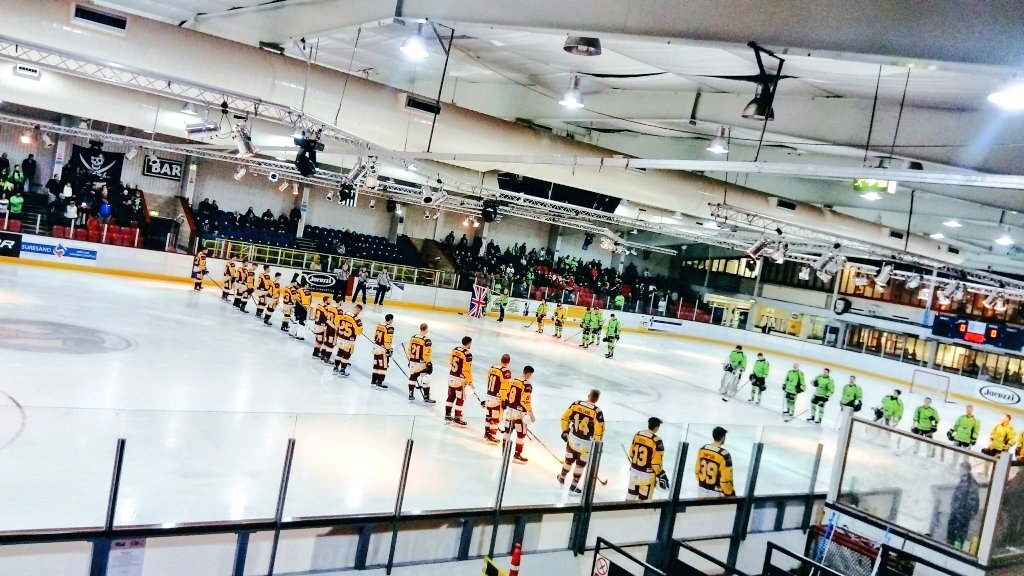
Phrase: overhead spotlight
(758,247)
(990,300)
(912,282)
(1010,98)
(26,137)
(489,211)
(582,46)
(760,105)
(860,280)
(398,209)
(240,173)
(282,187)
(805,273)
(925,293)
(430,196)
(1004,240)
(243,141)
(426,215)
(437,215)
(1000,305)
(950,289)
(201,127)
(465,222)
(48,141)
(372,180)
(298,134)
(777,253)
(130,155)
(411,167)
(720,144)
(960,292)
(391,206)
(189,109)
(751,265)
(273,176)
(828,264)
(882,278)
(295,188)
(414,47)
(373,204)
(476,223)
(573,98)
(330,195)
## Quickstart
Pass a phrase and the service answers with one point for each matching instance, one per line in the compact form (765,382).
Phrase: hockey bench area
(211,444)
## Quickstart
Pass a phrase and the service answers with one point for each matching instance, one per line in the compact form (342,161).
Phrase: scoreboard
(997,334)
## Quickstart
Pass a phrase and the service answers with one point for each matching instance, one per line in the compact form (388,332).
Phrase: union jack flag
(478,302)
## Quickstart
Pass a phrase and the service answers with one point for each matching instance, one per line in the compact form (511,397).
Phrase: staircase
(430,251)
(35,209)
(410,253)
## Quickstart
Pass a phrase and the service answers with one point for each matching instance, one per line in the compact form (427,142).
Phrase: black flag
(88,166)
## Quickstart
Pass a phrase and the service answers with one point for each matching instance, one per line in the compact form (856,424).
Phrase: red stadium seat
(94,235)
(58,231)
(82,235)
(15,225)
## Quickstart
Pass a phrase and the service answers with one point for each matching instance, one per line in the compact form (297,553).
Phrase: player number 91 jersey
(714,469)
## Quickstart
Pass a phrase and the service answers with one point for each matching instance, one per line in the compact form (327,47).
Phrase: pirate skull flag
(92,165)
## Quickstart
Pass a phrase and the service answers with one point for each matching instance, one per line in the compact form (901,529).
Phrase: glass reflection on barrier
(56,465)
(788,460)
(926,487)
(1009,532)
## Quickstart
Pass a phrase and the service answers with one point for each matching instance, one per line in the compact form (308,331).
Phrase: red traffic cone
(517,553)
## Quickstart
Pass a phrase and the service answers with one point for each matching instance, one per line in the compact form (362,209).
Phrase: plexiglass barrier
(926,487)
(197,467)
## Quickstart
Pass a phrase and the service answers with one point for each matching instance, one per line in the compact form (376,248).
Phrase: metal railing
(310,260)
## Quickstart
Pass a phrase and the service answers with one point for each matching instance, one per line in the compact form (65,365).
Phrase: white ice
(207,397)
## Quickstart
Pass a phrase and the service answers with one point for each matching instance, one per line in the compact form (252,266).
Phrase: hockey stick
(734,394)
(573,336)
(418,387)
(553,455)
(799,414)
(530,324)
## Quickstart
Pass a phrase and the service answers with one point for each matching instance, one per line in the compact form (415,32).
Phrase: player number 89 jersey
(714,469)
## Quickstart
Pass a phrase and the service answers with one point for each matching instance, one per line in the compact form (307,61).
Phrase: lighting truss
(184,90)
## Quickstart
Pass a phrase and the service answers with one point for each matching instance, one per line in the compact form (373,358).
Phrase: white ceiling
(822,113)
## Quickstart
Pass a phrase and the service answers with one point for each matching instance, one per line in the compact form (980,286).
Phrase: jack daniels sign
(91,165)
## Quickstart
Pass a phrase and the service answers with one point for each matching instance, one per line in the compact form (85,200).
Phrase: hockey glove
(949,434)
(389,352)
(565,436)
(482,403)
(663,480)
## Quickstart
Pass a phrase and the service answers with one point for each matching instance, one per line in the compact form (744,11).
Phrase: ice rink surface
(207,397)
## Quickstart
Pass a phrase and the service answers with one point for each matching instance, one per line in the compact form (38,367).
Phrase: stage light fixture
(760,106)
(805,273)
(720,144)
(582,45)
(305,158)
(882,278)
(990,300)
(489,210)
(1000,305)
(273,176)
(26,137)
(912,282)
(48,141)
(282,187)
(777,253)
(758,247)
(330,195)
(295,188)
(130,155)
(189,109)
(573,98)
(925,293)
(240,173)
(437,215)
(243,141)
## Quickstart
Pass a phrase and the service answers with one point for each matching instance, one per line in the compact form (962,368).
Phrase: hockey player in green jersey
(793,385)
(853,396)
(585,324)
(824,387)
(758,379)
(611,335)
(734,368)
(926,419)
(891,410)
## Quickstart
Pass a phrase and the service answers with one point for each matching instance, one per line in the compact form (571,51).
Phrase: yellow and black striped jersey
(349,327)
(584,420)
(331,313)
(560,314)
(288,294)
(520,395)
(498,379)
(250,278)
(419,349)
(230,270)
(275,290)
(714,469)
(199,261)
(383,335)
(461,363)
(305,297)
(647,452)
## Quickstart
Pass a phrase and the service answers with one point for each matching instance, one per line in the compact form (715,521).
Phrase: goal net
(843,551)
(928,382)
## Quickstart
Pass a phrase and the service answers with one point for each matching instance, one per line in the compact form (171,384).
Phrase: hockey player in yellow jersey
(349,327)
(714,467)
(560,315)
(542,315)
(460,376)
(303,302)
(383,337)
(250,285)
(289,295)
(321,317)
(241,284)
(273,295)
(520,405)
(498,379)
(199,269)
(230,273)
(646,462)
(420,366)
(263,285)
(582,425)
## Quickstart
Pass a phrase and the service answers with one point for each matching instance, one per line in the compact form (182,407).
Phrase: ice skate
(519,458)
(459,422)
(575,491)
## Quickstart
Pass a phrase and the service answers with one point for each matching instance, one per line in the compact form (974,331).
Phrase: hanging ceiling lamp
(760,105)
(573,98)
(582,46)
